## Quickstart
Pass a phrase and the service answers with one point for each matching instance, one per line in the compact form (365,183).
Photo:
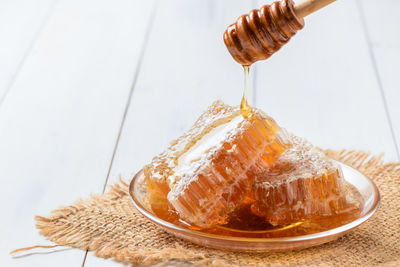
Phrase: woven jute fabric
(110,226)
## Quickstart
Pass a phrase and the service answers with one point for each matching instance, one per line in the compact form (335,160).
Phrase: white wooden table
(90,89)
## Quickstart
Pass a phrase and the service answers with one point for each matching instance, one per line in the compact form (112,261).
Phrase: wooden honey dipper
(262,32)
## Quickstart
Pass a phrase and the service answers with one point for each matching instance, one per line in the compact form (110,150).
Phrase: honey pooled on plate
(205,174)
(303,183)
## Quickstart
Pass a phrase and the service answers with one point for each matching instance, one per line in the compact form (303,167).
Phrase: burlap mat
(110,226)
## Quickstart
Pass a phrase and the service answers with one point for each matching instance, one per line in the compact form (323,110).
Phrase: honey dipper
(262,32)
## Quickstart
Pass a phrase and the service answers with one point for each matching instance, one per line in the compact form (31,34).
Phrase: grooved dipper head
(262,32)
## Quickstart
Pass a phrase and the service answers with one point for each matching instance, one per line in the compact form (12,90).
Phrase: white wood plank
(185,68)
(60,121)
(382,25)
(382,21)
(331,97)
(20,24)
(388,63)
(322,85)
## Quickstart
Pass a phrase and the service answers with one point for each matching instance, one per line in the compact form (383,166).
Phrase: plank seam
(127,105)
(135,78)
(84,258)
(28,51)
(377,75)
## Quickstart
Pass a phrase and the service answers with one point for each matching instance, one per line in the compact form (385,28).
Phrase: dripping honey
(244,106)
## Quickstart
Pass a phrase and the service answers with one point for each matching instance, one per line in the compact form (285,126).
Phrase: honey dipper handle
(303,8)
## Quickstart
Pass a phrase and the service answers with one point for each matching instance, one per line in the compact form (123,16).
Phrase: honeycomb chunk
(301,184)
(205,174)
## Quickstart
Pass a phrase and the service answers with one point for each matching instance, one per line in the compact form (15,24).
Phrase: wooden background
(93,88)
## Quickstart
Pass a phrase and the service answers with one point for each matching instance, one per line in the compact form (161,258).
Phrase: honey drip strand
(244,106)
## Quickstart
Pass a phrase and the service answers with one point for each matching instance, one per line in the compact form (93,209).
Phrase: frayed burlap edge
(109,226)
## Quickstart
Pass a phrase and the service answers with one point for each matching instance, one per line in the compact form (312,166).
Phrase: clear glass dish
(368,195)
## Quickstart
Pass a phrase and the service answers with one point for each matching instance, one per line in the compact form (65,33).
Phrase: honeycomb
(301,184)
(207,172)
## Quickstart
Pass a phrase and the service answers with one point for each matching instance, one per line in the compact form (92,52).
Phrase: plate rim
(341,230)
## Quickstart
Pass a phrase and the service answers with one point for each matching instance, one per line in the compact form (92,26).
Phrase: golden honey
(205,174)
(238,173)
(302,184)
(244,223)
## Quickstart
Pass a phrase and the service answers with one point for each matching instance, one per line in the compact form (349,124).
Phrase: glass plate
(368,194)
